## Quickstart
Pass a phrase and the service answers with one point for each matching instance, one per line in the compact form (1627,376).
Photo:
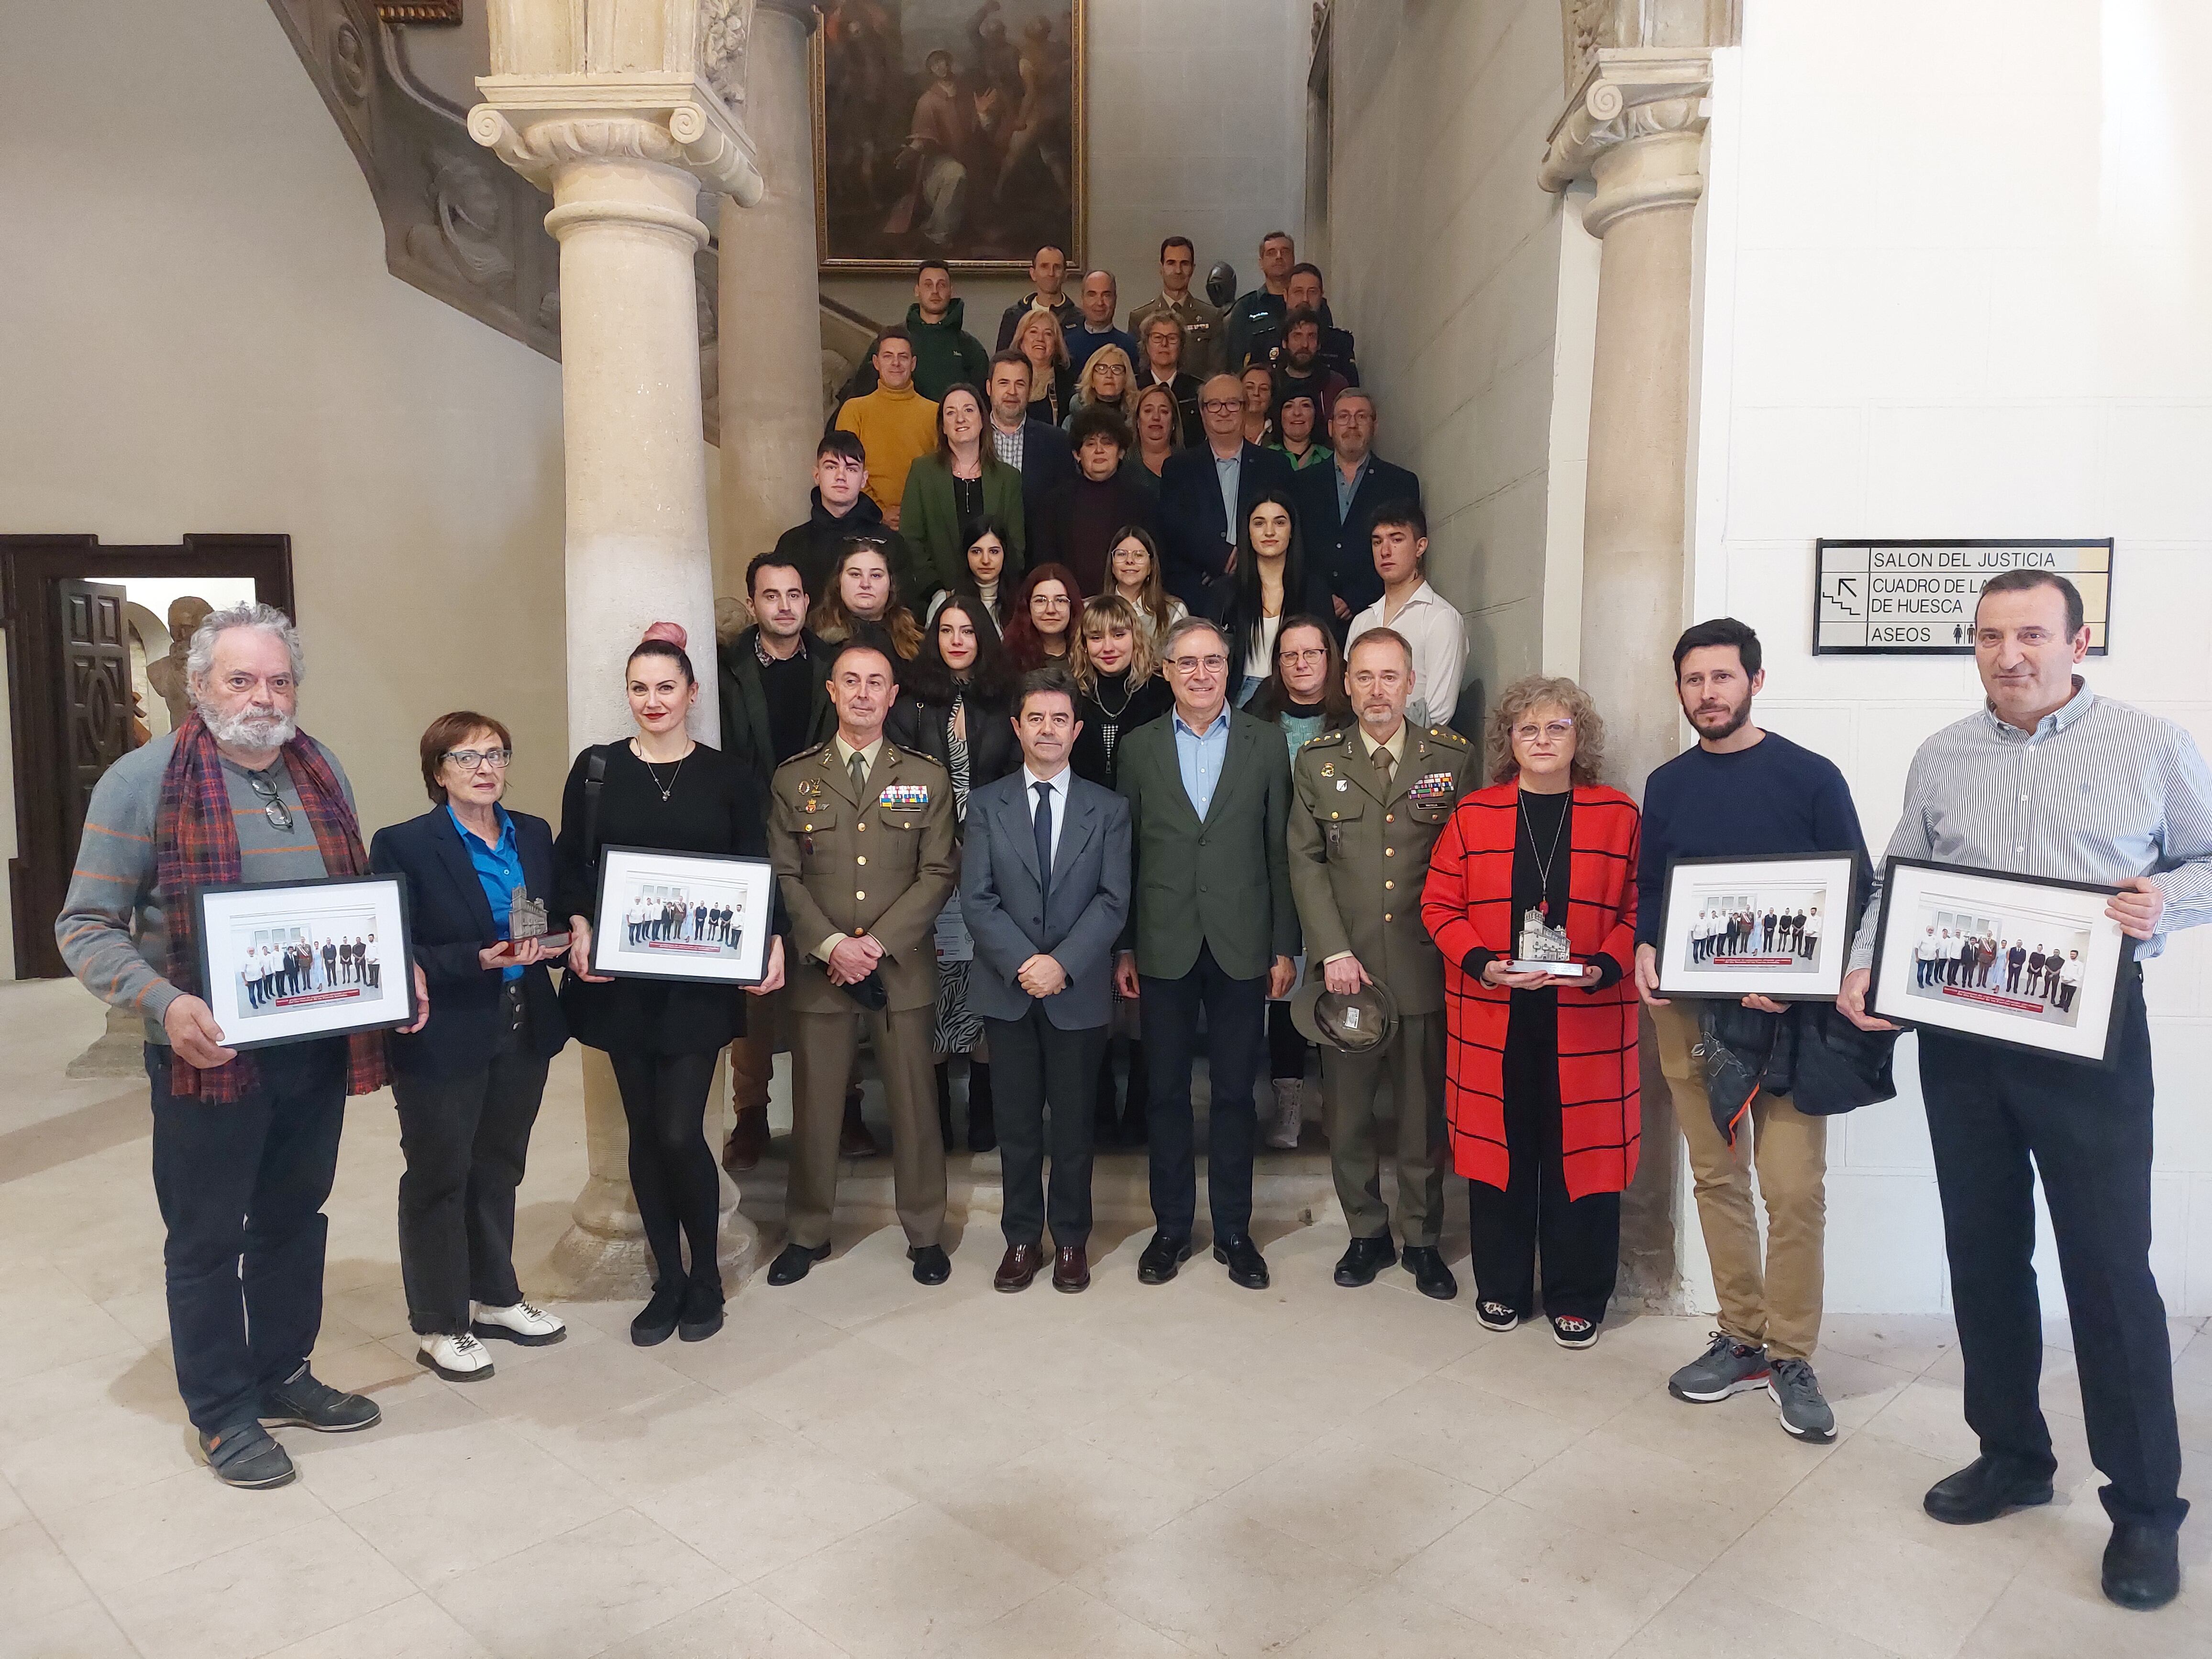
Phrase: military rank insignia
(1430,789)
(905,797)
(810,796)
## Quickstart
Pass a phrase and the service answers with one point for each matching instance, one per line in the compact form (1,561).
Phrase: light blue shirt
(1199,756)
(499,873)
(1229,472)
(1346,488)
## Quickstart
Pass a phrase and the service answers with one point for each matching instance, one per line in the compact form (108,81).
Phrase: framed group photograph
(285,961)
(949,130)
(698,916)
(2031,962)
(1777,925)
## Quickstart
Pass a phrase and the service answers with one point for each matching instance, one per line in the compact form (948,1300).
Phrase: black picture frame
(599,933)
(1854,900)
(203,934)
(2122,959)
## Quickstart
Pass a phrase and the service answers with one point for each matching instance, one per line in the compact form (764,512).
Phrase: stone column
(770,302)
(618,111)
(1636,131)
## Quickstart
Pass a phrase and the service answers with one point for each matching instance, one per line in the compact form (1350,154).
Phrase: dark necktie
(1384,767)
(858,766)
(1043,823)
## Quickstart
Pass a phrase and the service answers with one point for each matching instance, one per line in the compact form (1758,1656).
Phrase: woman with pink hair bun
(660,788)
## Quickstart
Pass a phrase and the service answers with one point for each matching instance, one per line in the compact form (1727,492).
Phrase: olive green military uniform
(1204,334)
(1359,856)
(876,859)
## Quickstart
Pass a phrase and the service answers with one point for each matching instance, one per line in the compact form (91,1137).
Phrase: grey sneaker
(1728,1367)
(1797,1391)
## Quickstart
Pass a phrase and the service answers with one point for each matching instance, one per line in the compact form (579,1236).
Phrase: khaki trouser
(1777,1303)
(823,1048)
(752,1056)
(1351,1086)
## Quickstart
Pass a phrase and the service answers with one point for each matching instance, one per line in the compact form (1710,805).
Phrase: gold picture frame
(879,206)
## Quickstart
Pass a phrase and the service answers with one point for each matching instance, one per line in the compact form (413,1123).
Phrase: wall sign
(1917,598)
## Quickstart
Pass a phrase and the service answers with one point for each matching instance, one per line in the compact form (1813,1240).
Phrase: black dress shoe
(700,1315)
(1983,1491)
(931,1265)
(1363,1259)
(656,1321)
(1431,1276)
(2143,1567)
(247,1457)
(794,1261)
(307,1403)
(1247,1266)
(1161,1258)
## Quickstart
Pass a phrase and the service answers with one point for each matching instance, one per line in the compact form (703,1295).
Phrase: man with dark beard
(1743,792)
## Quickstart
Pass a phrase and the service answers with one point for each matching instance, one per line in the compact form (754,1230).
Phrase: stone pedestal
(119,1051)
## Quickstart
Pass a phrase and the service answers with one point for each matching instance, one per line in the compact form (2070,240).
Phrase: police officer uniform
(1360,839)
(872,857)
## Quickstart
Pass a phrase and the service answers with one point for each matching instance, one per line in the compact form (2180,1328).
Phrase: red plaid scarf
(196,845)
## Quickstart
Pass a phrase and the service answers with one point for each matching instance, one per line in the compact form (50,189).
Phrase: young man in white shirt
(1429,623)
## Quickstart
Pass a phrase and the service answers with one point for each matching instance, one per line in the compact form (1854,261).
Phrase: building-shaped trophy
(1540,948)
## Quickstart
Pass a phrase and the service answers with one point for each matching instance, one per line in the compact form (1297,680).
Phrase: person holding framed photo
(2049,779)
(1744,792)
(468,1085)
(659,789)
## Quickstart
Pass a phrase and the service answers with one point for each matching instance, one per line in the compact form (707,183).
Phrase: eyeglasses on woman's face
(1312,656)
(468,760)
(1557,731)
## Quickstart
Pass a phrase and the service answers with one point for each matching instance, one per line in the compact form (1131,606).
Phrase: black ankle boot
(944,1102)
(983,1128)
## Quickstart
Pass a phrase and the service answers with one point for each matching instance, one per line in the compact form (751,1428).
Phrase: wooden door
(94,706)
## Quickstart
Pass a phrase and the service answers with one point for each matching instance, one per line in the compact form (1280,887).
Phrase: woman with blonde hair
(1540,1091)
(1157,418)
(1037,336)
(1108,380)
(863,603)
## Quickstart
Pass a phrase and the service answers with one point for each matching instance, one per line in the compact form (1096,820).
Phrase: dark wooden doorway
(70,693)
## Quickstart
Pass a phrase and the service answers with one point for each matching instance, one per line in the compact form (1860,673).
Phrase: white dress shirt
(1434,628)
(1058,787)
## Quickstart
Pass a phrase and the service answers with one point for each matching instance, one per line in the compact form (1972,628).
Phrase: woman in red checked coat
(1540,1073)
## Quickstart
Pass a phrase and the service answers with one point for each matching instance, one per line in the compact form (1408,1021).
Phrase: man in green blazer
(1214,928)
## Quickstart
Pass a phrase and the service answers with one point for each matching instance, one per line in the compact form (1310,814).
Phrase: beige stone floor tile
(35,1577)
(1661,1506)
(870,1277)
(184,1518)
(423,1424)
(1581,1388)
(377,1307)
(1457,1429)
(764,1336)
(1063,1623)
(141,1380)
(1349,1500)
(50,1322)
(655,1444)
(934,1435)
(915,1577)
(1323,1381)
(568,1382)
(1388,1621)
(112,1256)
(1903,1342)
(848,1377)
(96,1449)
(251,1600)
(1711,1609)
(12,1508)
(742,1625)
(1069,1503)
(1392,1319)
(1221,1583)
(415,1628)
(1547,1589)
(83,1632)
(1741,1436)
(367,1367)
(1203,1429)
(578,1593)
(2065,1616)
(1929,1416)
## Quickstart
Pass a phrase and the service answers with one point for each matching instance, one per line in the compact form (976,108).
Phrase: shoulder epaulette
(1445,735)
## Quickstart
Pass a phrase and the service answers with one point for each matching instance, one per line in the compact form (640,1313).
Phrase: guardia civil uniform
(871,853)
(1360,836)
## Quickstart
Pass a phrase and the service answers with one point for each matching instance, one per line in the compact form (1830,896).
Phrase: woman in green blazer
(964,482)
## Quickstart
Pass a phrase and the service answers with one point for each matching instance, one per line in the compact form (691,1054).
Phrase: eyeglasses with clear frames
(1302,657)
(1557,731)
(468,759)
(1216,664)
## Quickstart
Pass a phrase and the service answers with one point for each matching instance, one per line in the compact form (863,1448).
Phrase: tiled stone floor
(858,1466)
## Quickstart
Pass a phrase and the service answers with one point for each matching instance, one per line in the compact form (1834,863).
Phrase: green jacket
(930,521)
(1225,882)
(944,353)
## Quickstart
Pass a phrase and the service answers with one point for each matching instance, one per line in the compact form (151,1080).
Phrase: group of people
(675,918)
(272,972)
(1948,958)
(1719,933)
(1141,857)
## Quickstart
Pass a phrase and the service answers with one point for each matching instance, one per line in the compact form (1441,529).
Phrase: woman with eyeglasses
(1041,622)
(659,789)
(467,1085)
(1269,580)
(1540,1087)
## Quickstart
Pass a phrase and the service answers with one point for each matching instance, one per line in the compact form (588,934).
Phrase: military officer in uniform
(1205,332)
(1368,803)
(861,832)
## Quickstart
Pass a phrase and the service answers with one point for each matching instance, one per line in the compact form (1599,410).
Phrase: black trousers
(1580,1237)
(1287,1044)
(672,1174)
(464,1138)
(1236,1009)
(241,1186)
(1037,1070)
(1997,1118)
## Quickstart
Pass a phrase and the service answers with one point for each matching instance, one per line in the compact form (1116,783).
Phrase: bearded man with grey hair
(245,1147)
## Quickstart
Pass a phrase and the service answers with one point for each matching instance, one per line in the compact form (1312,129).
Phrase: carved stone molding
(419,12)
(1633,94)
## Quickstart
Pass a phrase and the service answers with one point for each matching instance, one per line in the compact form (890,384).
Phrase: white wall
(1926,318)
(199,335)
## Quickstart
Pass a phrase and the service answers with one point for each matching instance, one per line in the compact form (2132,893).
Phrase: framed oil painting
(950,130)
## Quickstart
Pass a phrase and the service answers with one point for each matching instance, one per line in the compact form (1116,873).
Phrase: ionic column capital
(1636,128)
(537,124)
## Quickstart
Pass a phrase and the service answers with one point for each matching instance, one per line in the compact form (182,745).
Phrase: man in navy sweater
(1743,792)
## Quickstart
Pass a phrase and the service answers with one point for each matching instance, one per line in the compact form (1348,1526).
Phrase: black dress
(1109,711)
(714,806)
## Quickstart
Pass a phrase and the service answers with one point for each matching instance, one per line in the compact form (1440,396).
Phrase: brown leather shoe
(1018,1267)
(748,1141)
(855,1139)
(1071,1269)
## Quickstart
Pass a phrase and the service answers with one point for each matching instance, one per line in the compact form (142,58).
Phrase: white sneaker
(1290,1113)
(533,1328)
(457,1359)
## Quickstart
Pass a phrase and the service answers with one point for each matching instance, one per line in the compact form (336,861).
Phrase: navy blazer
(1010,920)
(1046,460)
(1342,546)
(1195,538)
(450,921)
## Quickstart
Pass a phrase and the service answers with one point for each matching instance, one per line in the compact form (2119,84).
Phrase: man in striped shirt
(2049,779)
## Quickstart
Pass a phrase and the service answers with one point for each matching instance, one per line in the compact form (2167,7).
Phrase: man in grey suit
(1044,888)
(1213,928)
